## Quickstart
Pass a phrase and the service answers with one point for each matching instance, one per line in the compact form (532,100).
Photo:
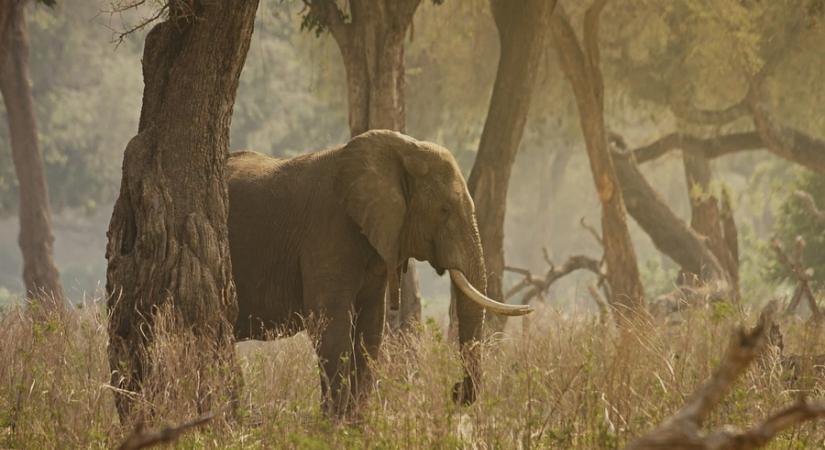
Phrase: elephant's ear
(372,182)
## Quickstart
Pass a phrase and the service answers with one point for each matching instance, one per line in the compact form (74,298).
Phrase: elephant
(327,234)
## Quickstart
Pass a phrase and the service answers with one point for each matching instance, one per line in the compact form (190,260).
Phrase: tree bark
(706,218)
(40,274)
(168,247)
(522,30)
(372,48)
(580,64)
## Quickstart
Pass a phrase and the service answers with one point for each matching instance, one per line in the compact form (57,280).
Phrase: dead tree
(538,286)
(802,275)
(683,430)
(580,63)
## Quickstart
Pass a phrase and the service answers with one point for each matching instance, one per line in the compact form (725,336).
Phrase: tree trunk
(580,64)
(705,215)
(670,234)
(522,29)
(40,275)
(168,247)
(372,47)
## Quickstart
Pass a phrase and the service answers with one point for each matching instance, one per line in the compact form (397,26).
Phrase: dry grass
(555,381)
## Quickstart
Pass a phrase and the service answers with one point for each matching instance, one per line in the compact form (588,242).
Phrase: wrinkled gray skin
(316,236)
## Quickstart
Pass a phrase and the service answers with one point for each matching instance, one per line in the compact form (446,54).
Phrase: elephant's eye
(445,210)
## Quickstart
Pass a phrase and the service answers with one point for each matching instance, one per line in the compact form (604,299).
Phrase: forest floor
(555,380)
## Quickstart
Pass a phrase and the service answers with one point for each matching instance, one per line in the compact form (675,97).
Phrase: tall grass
(554,380)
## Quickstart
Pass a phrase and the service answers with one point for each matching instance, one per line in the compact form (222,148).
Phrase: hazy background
(292,99)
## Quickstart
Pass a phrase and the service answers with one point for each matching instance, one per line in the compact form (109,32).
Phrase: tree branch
(329,16)
(794,146)
(141,438)
(760,435)
(683,430)
(713,147)
(541,285)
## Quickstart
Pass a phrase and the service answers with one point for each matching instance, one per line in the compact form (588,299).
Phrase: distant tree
(168,241)
(521,28)
(370,36)
(40,274)
(764,61)
(581,64)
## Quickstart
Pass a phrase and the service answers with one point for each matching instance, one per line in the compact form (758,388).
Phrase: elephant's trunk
(470,320)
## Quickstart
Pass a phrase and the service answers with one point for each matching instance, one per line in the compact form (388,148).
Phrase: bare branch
(593,232)
(141,438)
(541,285)
(803,278)
(121,6)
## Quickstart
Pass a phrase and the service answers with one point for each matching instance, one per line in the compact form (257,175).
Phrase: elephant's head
(410,200)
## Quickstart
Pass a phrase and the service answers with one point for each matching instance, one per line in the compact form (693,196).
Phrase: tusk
(487,303)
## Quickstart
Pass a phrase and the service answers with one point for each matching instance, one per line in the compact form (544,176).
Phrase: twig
(592,231)
(141,438)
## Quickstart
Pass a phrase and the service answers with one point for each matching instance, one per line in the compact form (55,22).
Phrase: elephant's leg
(332,299)
(369,331)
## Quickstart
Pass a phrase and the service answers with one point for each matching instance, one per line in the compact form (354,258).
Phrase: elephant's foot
(464,392)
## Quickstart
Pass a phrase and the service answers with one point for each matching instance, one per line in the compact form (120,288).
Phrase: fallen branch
(682,431)
(141,438)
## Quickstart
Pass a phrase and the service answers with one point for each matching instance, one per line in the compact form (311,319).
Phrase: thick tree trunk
(168,245)
(705,215)
(372,47)
(580,64)
(670,234)
(522,29)
(40,275)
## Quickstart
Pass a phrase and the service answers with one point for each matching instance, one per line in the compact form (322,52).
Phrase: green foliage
(86,105)
(796,220)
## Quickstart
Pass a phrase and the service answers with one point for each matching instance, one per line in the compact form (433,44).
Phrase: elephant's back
(248,164)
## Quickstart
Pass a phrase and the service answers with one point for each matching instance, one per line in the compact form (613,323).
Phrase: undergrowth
(553,380)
